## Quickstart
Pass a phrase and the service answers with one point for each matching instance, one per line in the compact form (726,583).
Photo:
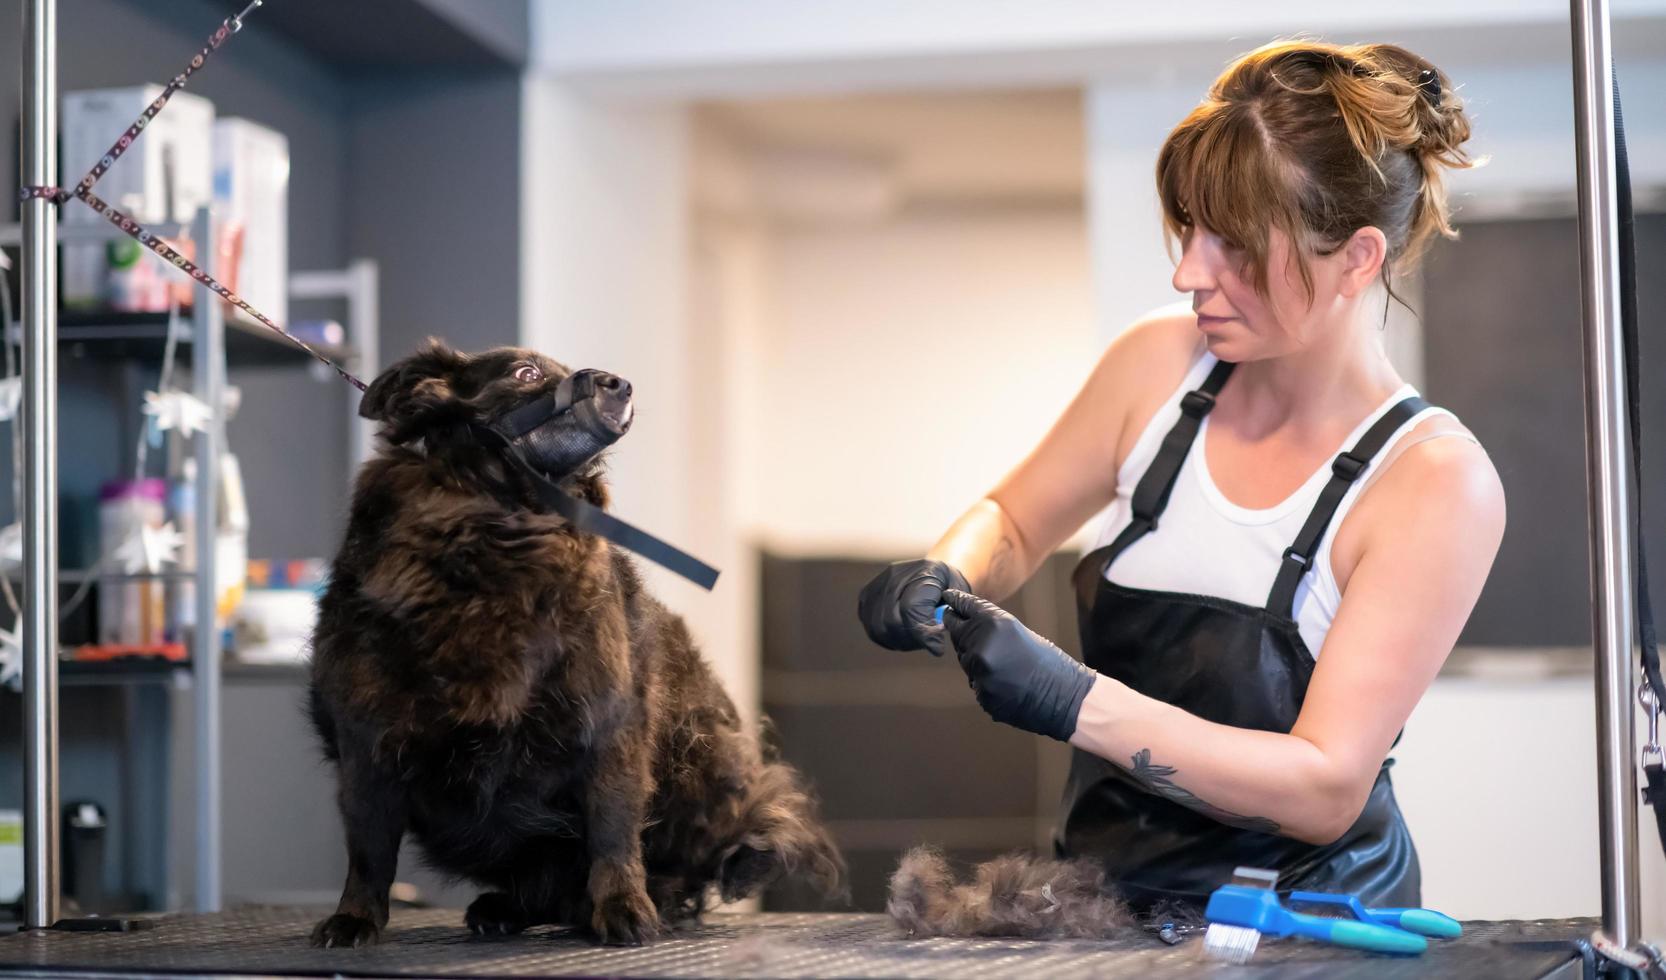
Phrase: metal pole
(357,284)
(365,313)
(208,381)
(40,465)
(1605,445)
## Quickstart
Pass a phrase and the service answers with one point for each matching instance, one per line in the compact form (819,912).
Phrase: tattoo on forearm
(1000,566)
(1157,779)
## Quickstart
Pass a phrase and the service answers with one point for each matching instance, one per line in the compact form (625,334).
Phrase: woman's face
(1241,324)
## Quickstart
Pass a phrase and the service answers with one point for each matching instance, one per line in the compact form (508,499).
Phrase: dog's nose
(613,385)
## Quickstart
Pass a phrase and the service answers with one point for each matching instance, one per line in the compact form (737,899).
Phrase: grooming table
(433,943)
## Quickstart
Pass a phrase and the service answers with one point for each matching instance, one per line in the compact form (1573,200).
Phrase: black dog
(498,684)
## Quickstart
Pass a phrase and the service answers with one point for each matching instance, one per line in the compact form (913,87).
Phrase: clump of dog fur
(1017,895)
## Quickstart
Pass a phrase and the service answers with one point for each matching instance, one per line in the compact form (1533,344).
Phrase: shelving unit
(213,340)
(130,336)
(384,103)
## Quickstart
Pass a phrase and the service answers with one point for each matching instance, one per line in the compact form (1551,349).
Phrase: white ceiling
(651,49)
(991,147)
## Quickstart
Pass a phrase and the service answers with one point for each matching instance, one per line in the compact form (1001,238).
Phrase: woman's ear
(1363,255)
(414,386)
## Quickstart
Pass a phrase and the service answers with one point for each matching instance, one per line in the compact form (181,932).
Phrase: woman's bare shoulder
(1143,365)
(1164,342)
(1437,474)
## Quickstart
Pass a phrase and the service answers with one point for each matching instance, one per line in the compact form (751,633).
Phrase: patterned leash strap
(1644,959)
(84,191)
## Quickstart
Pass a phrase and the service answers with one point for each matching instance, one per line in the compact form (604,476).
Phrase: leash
(136,231)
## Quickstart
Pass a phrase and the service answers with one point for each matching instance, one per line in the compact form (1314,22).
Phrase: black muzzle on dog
(601,410)
(600,404)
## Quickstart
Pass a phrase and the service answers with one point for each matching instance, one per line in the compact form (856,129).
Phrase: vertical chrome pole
(1605,447)
(40,466)
(208,382)
(365,313)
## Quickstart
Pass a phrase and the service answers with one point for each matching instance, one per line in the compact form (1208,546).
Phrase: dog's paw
(495,914)
(745,872)
(625,918)
(342,929)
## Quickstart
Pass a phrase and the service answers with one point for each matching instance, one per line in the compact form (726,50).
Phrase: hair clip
(1428,82)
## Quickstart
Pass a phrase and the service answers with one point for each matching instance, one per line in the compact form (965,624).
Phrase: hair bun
(1317,140)
(1441,126)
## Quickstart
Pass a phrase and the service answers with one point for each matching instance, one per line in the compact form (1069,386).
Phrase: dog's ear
(415,386)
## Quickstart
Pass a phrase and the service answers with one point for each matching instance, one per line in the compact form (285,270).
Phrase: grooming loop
(236,22)
(1652,753)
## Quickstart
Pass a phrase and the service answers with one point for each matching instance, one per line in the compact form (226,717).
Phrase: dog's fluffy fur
(1015,895)
(503,688)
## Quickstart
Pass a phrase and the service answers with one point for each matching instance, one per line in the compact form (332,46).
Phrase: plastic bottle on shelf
(231,552)
(131,284)
(182,510)
(231,545)
(131,611)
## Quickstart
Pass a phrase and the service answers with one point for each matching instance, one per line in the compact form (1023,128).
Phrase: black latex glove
(899,607)
(1020,678)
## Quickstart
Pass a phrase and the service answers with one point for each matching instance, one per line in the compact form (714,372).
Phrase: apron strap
(1346,468)
(1151,493)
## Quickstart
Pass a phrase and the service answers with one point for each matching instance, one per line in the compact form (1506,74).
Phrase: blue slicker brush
(1240,914)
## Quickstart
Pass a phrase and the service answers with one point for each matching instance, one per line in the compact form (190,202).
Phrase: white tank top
(1207,545)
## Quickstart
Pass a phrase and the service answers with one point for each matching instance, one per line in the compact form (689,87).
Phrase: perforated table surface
(433,943)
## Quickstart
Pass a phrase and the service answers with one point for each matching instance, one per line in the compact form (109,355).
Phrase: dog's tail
(782,836)
(1015,895)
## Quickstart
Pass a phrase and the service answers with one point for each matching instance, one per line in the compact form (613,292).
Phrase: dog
(499,684)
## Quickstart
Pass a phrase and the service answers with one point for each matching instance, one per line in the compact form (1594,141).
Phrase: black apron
(1230,663)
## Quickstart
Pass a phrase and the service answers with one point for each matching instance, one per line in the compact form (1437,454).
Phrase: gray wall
(1502,331)
(434,194)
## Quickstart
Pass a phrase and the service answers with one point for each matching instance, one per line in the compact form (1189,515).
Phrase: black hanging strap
(1634,369)
(1655,792)
(1151,494)
(1345,469)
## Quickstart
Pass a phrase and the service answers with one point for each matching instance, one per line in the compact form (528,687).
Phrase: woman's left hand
(1019,677)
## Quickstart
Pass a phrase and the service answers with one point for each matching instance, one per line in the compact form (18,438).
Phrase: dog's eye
(528,373)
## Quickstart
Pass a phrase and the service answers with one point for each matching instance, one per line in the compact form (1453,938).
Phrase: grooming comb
(1245,911)
(1424,922)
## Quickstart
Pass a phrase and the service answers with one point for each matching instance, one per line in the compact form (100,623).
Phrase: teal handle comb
(1426,922)
(1362,935)
(1259,909)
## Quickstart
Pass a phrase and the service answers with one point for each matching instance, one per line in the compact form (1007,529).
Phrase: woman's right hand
(899,607)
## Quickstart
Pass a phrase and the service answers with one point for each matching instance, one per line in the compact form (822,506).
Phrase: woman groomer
(1294,539)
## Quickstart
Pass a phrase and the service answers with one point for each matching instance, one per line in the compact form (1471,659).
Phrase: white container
(275,625)
(130,611)
(231,545)
(165,176)
(251,204)
(11,856)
